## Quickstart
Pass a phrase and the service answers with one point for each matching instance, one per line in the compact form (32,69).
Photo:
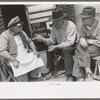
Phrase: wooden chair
(96,74)
(6,72)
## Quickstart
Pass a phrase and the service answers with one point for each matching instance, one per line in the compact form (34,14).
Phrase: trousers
(67,54)
(33,74)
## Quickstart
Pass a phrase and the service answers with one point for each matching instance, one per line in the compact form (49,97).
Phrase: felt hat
(88,11)
(57,14)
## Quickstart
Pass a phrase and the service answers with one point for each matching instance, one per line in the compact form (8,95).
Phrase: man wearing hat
(18,49)
(89,43)
(62,42)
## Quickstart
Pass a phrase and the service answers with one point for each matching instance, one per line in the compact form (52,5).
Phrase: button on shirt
(65,35)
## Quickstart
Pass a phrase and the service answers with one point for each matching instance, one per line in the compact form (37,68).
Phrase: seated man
(18,49)
(89,45)
(62,42)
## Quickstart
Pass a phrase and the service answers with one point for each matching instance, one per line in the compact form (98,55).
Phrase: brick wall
(68,11)
(2,26)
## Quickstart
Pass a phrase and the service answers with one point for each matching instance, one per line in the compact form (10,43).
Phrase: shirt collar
(11,32)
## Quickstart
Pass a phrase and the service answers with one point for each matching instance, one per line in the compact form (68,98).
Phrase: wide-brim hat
(57,14)
(15,22)
(89,11)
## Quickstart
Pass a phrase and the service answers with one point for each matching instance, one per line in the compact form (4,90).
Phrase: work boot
(80,79)
(51,74)
(69,78)
(89,77)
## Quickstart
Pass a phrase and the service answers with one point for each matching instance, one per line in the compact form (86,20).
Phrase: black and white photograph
(55,42)
(50,44)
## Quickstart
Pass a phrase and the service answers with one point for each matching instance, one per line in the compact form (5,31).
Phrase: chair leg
(95,76)
(5,71)
(95,71)
(99,67)
(3,76)
(11,76)
(8,79)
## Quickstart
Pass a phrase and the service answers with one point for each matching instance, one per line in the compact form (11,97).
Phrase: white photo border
(33,90)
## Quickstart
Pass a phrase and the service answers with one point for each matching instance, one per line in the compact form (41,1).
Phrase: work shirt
(92,32)
(64,36)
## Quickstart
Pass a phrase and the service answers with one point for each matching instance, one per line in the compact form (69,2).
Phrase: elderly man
(89,45)
(62,42)
(18,49)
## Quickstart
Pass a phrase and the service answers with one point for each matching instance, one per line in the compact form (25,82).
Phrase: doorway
(10,11)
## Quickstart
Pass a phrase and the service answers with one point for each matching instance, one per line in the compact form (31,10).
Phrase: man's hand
(38,38)
(15,64)
(36,53)
(52,48)
(83,42)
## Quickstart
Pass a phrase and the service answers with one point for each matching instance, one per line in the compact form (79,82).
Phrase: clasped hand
(15,64)
(52,48)
(36,53)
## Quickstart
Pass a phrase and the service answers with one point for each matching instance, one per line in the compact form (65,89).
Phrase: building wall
(68,11)
(78,9)
(2,27)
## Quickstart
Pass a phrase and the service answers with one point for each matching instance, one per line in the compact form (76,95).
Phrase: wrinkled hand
(15,64)
(52,48)
(91,41)
(83,43)
(36,53)
(38,38)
